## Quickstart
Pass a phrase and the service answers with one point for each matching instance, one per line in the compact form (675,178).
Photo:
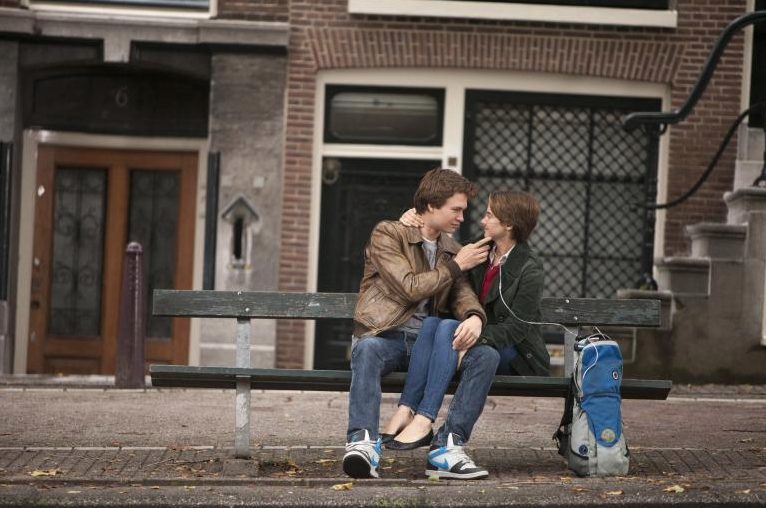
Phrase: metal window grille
(591,177)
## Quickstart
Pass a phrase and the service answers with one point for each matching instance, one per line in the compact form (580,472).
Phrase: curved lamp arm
(662,120)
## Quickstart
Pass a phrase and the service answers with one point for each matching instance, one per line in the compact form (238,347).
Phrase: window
(180,4)
(591,176)
(387,116)
(654,13)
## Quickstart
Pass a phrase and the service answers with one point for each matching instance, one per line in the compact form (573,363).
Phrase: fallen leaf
(675,489)
(45,472)
(343,486)
(73,491)
(433,478)
(579,489)
(746,491)
(155,487)
(615,493)
(190,487)
(389,460)
(326,462)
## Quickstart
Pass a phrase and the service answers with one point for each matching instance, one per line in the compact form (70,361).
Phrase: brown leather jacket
(397,277)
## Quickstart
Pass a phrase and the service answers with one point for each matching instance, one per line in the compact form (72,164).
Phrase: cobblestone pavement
(93,447)
(136,464)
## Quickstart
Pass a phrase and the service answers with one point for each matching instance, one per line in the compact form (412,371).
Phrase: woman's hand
(467,333)
(412,219)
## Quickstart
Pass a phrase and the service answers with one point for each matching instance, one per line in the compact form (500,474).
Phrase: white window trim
(455,83)
(32,139)
(517,12)
(381,151)
(124,10)
(118,30)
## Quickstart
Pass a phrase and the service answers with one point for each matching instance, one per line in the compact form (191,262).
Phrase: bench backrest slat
(253,304)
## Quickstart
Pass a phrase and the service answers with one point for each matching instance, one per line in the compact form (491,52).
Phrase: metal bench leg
(569,341)
(242,403)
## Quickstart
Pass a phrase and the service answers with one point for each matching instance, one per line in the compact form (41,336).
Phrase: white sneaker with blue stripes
(362,456)
(452,462)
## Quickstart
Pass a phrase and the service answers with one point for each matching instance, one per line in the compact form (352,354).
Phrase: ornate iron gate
(592,179)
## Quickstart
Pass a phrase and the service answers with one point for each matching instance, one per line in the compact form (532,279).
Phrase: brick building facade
(331,38)
(272,67)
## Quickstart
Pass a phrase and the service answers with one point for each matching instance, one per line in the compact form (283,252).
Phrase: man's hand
(467,333)
(473,254)
(410,218)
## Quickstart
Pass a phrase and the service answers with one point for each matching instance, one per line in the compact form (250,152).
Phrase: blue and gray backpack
(590,435)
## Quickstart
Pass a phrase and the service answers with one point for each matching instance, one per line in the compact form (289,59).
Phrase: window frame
(518,11)
(332,90)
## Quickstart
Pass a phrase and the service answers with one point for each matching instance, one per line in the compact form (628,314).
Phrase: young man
(409,274)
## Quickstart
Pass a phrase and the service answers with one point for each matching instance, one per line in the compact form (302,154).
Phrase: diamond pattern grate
(590,176)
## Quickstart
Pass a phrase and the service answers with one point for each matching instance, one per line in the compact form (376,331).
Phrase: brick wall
(324,36)
(251,10)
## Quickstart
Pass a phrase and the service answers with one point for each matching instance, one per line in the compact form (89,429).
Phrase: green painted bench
(244,306)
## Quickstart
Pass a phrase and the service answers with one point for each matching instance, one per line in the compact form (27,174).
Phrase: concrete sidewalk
(95,447)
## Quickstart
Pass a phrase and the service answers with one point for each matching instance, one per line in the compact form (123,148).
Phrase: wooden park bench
(244,306)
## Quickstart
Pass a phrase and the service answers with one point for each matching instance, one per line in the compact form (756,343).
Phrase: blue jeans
(507,354)
(433,364)
(371,359)
(374,357)
(477,371)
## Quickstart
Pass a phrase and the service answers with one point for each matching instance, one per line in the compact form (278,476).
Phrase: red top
(489,276)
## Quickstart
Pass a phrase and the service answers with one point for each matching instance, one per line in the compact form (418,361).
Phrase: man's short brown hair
(438,185)
(517,209)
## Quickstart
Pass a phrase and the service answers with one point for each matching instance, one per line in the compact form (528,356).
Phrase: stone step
(750,143)
(743,201)
(683,275)
(745,172)
(714,240)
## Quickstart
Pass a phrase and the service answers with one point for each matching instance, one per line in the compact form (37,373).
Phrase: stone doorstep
(683,274)
(726,241)
(742,201)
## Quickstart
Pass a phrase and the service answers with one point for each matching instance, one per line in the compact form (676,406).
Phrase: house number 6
(121,97)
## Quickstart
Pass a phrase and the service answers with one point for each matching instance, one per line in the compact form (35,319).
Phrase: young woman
(510,286)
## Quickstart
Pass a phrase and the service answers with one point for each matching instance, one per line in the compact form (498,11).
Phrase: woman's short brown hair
(517,209)
(438,185)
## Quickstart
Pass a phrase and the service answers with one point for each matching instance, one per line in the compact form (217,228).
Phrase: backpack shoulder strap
(561,436)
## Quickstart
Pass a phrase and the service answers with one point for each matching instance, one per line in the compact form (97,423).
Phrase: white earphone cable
(500,289)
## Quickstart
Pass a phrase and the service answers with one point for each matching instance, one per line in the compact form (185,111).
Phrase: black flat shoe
(423,441)
(386,438)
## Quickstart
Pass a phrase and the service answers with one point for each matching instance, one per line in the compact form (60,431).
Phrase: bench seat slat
(340,380)
(219,304)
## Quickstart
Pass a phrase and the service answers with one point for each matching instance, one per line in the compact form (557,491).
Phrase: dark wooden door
(90,204)
(356,195)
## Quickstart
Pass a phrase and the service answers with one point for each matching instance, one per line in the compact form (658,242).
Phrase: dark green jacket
(522,276)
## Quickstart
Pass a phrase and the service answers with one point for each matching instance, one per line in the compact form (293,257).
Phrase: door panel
(90,204)
(77,258)
(356,195)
